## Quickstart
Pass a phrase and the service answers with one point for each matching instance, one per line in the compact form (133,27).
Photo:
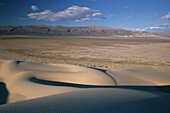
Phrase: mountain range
(44,30)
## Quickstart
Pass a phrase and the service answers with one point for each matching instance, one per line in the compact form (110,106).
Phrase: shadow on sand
(3,93)
(104,71)
(143,88)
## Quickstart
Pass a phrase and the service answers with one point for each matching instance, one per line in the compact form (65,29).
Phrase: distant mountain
(161,33)
(144,32)
(44,30)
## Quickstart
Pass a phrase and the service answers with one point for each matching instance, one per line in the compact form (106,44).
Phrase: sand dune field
(70,88)
(84,75)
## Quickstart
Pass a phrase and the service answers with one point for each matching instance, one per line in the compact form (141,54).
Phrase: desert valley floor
(102,52)
(84,75)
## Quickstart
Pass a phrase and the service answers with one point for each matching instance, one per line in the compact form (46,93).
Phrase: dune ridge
(32,87)
(19,75)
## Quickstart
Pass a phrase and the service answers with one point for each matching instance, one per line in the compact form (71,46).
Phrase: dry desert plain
(84,75)
(102,52)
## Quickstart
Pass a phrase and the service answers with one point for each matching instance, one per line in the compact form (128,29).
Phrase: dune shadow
(3,93)
(18,62)
(165,89)
(104,71)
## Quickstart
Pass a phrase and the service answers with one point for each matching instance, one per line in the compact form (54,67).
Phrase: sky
(137,15)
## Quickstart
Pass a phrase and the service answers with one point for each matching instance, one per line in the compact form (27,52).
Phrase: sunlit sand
(71,88)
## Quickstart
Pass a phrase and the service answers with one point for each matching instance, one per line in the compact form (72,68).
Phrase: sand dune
(100,100)
(29,80)
(31,87)
(140,77)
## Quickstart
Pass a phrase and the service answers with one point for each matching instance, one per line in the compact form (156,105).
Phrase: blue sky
(140,15)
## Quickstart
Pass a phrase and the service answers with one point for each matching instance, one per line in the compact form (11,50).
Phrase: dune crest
(70,88)
(31,80)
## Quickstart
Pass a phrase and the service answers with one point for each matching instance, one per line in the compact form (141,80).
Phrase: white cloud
(44,15)
(79,14)
(99,15)
(83,19)
(111,15)
(159,28)
(34,8)
(166,17)
(127,18)
(130,17)
(164,25)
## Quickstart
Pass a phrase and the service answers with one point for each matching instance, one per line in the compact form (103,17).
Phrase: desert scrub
(29,53)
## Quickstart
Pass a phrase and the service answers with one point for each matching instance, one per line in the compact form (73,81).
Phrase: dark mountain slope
(63,31)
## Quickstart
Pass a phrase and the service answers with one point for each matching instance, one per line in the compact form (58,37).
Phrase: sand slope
(140,77)
(94,101)
(46,88)
(28,80)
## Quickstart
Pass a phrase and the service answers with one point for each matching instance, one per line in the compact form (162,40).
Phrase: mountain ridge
(45,30)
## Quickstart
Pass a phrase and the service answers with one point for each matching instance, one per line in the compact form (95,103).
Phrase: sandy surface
(39,79)
(93,52)
(71,88)
(108,75)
